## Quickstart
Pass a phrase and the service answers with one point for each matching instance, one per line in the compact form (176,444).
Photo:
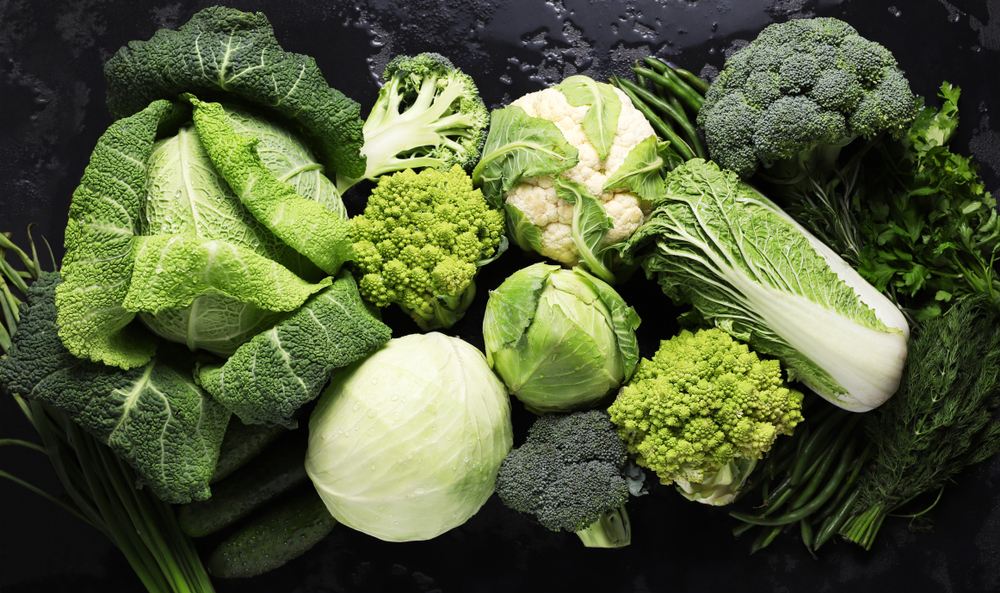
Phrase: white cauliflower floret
(536,196)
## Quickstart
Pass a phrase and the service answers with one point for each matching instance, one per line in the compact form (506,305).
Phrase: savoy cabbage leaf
(104,218)
(277,371)
(226,53)
(153,416)
(306,226)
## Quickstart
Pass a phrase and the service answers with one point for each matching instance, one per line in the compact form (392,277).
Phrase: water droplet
(372,413)
(954,17)
(976,49)
(434,426)
(419,491)
(356,406)
(895,11)
(394,397)
(373,468)
(374,381)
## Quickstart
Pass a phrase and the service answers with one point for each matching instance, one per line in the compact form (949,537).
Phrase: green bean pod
(669,80)
(665,132)
(679,118)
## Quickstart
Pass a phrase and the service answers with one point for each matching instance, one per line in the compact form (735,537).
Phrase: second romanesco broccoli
(420,242)
(702,411)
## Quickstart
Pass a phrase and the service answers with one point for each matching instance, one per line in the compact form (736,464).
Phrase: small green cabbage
(406,444)
(560,339)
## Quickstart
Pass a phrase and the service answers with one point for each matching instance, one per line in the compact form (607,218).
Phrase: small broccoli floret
(420,242)
(702,411)
(569,475)
(814,85)
(428,114)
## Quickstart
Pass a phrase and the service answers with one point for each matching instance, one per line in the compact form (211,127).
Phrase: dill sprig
(941,419)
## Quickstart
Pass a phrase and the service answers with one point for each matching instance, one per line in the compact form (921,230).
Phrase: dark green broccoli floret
(803,87)
(569,476)
(428,114)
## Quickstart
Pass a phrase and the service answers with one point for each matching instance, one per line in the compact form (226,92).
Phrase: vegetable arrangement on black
(626,168)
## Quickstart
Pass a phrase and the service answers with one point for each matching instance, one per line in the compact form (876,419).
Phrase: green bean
(678,117)
(815,443)
(658,65)
(679,146)
(827,460)
(859,463)
(806,532)
(807,509)
(765,538)
(696,82)
(669,80)
(835,521)
(779,500)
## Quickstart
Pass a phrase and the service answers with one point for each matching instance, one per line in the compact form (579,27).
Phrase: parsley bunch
(912,216)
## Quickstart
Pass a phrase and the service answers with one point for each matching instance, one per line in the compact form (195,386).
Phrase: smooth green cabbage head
(560,339)
(406,444)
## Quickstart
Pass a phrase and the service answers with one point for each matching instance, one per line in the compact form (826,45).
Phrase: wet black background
(52,111)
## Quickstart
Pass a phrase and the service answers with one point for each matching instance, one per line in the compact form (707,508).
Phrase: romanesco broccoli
(569,475)
(420,242)
(800,92)
(702,411)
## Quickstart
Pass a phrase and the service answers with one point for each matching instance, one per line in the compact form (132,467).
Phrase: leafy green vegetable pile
(215,292)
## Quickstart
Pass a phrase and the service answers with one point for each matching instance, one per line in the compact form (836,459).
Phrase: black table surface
(52,111)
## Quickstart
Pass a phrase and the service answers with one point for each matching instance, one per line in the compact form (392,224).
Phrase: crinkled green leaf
(172,270)
(306,226)
(153,416)
(223,53)
(104,218)
(520,146)
(277,371)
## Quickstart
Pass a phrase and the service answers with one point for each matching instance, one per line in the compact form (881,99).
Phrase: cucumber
(275,471)
(284,531)
(242,443)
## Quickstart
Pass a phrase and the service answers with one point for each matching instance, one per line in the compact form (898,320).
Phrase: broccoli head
(702,411)
(428,114)
(797,94)
(420,242)
(569,475)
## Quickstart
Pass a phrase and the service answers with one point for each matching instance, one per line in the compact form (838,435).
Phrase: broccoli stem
(612,530)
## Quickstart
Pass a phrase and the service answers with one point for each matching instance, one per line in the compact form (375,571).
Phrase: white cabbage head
(406,444)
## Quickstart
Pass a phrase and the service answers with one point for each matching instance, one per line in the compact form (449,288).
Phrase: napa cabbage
(715,242)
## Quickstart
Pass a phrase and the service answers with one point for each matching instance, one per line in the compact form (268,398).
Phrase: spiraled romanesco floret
(702,411)
(419,240)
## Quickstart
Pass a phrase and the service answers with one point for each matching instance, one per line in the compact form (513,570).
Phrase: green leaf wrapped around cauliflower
(702,411)
(559,160)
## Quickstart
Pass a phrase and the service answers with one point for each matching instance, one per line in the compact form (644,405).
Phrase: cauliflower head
(537,198)
(702,411)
